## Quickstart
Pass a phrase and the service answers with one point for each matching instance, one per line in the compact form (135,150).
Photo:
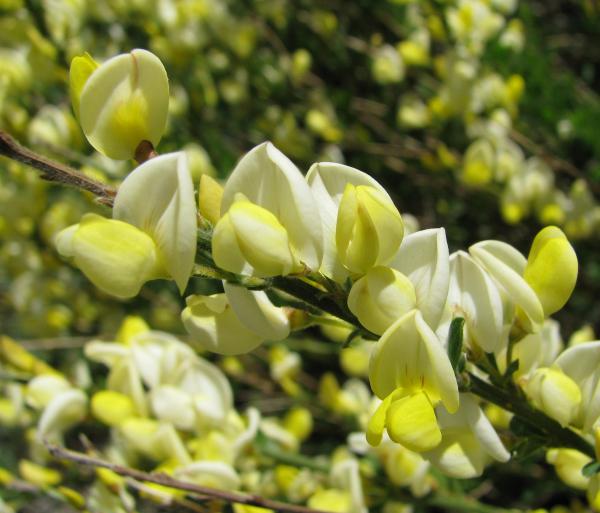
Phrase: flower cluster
(335,227)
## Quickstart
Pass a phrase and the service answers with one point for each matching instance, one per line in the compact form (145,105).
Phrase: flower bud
(214,325)
(116,257)
(122,102)
(369,228)
(380,297)
(478,165)
(551,269)
(568,464)
(555,393)
(210,194)
(249,239)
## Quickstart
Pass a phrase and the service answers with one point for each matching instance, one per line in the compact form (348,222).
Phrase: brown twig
(165,480)
(55,171)
(553,161)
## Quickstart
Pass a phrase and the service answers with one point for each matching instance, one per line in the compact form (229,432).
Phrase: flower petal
(158,198)
(410,355)
(124,102)
(327,181)
(423,257)
(269,179)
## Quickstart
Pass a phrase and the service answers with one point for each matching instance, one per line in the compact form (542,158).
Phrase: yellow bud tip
(551,269)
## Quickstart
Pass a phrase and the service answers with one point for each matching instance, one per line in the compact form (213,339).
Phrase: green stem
(557,436)
(289,458)
(322,300)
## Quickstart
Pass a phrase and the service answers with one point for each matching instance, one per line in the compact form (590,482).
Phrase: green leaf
(593,467)
(455,341)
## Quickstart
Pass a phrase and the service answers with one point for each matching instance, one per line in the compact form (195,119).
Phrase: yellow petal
(555,393)
(369,228)
(551,269)
(410,355)
(115,256)
(38,475)
(380,297)
(131,326)
(82,67)
(411,421)
(336,501)
(568,464)
(210,194)
(111,408)
(376,423)
(250,239)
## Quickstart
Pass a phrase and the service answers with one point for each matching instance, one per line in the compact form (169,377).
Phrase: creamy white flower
(158,198)
(267,178)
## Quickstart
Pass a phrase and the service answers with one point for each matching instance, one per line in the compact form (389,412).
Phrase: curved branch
(56,172)
(165,480)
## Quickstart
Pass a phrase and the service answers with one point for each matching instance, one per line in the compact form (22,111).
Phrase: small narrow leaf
(455,341)
(593,467)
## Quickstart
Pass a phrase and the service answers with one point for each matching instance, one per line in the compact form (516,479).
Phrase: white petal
(65,410)
(506,265)
(45,387)
(173,405)
(158,197)
(249,434)
(215,474)
(209,388)
(107,353)
(582,363)
(423,257)
(483,429)
(269,179)
(474,294)
(125,378)
(214,326)
(345,475)
(257,313)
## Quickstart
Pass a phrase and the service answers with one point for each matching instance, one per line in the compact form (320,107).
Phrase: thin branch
(553,161)
(51,344)
(165,480)
(53,171)
(557,436)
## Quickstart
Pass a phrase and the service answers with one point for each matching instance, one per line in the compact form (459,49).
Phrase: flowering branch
(510,399)
(316,294)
